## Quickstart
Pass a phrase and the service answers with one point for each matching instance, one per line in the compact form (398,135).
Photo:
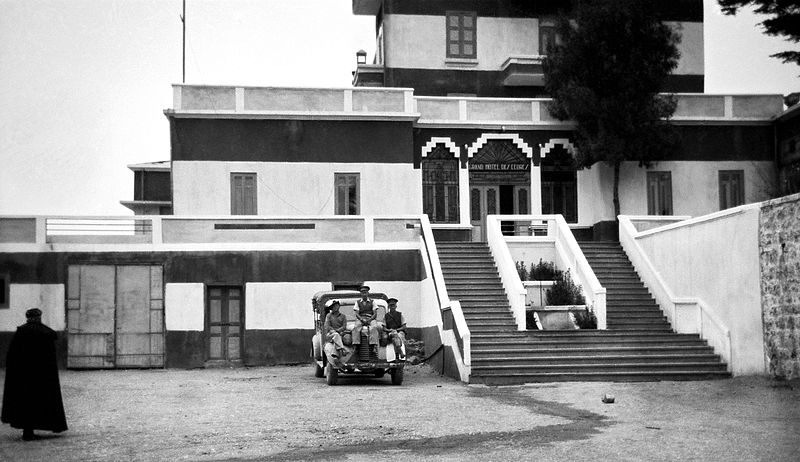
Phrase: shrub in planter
(522,271)
(586,319)
(565,292)
(544,271)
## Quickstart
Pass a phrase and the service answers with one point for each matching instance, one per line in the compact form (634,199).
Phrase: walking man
(32,393)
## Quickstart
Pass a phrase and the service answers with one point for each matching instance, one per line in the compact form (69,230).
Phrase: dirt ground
(285,413)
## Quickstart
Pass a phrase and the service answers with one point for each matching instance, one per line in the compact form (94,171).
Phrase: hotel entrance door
(496,199)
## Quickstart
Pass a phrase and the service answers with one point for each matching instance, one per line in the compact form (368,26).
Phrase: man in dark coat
(32,393)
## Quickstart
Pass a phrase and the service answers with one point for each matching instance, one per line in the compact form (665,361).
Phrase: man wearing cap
(365,316)
(396,328)
(335,326)
(32,393)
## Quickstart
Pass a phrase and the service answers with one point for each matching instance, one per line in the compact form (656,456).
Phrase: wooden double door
(224,325)
(115,316)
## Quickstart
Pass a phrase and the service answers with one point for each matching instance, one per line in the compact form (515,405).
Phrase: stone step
(504,342)
(648,315)
(604,376)
(615,359)
(472,305)
(469,276)
(483,322)
(586,351)
(601,366)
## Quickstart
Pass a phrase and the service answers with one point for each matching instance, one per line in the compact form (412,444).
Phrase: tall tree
(605,73)
(784,19)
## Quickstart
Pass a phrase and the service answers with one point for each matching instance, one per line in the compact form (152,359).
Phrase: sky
(84,83)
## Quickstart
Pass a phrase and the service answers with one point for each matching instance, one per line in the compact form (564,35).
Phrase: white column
(536,189)
(463,193)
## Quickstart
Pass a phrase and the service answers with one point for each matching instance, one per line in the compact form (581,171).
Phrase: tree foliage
(605,73)
(784,20)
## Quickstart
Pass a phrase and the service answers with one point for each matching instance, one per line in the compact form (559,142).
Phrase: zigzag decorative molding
(519,142)
(546,148)
(447,142)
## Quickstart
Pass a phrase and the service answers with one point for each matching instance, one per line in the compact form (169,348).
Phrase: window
(547,38)
(659,193)
(5,284)
(440,186)
(347,193)
(243,194)
(560,192)
(731,188)
(461,34)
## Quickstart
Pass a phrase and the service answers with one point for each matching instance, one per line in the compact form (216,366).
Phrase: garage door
(115,316)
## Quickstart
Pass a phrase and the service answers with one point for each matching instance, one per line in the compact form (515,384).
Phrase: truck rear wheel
(331,374)
(397,376)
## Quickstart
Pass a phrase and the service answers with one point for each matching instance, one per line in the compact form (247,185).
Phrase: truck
(358,359)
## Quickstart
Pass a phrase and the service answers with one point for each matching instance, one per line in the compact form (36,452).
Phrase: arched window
(440,186)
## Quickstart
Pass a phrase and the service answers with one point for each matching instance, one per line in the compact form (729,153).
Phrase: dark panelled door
(224,324)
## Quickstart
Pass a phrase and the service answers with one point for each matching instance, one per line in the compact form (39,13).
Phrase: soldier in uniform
(365,316)
(395,327)
(335,326)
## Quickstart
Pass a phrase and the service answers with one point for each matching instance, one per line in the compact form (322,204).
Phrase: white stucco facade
(295,188)
(695,187)
(418,42)
(47,297)
(184,306)
(280,305)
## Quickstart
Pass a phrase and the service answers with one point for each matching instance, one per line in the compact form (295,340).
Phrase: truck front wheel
(397,376)
(331,374)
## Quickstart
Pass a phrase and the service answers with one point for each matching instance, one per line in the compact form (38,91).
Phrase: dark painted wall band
(697,142)
(673,10)
(489,84)
(291,140)
(235,268)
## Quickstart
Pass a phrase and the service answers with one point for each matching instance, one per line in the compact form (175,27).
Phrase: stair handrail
(429,244)
(667,299)
(571,253)
(507,269)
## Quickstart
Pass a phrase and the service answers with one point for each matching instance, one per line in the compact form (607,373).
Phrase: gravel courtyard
(285,413)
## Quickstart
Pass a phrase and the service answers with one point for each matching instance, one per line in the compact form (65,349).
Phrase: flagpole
(183,20)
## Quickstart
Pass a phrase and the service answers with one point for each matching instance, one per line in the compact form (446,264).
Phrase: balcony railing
(240,101)
(176,230)
(368,102)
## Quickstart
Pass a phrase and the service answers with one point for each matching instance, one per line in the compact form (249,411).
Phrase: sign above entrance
(496,167)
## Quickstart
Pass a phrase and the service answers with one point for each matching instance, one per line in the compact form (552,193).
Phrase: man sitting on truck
(335,325)
(365,316)
(396,328)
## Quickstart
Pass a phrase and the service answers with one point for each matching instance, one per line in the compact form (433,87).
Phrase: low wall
(779,248)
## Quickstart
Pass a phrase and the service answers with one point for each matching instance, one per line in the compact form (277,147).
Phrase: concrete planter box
(536,292)
(558,317)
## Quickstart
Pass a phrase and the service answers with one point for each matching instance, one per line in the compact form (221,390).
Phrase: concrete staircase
(472,278)
(638,345)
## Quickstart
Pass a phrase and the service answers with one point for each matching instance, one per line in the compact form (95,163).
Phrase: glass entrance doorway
(500,179)
(504,199)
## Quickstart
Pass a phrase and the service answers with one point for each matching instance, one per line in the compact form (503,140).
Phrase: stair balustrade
(686,314)
(454,331)
(569,256)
